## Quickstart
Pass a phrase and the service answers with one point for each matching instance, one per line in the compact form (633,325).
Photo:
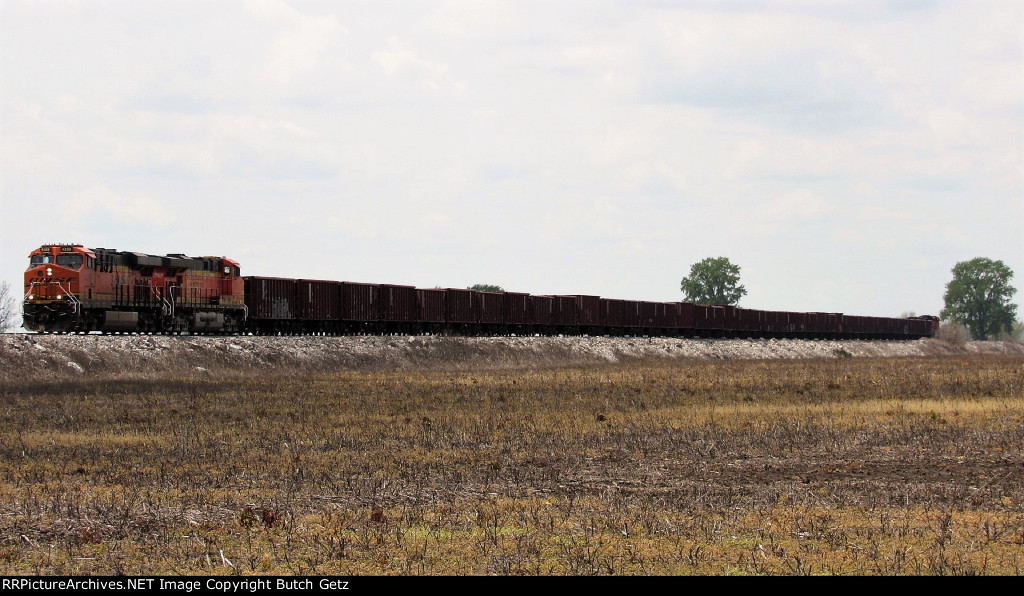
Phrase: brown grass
(845,466)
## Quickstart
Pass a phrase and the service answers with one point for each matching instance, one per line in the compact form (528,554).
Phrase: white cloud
(471,18)
(400,60)
(800,204)
(301,41)
(100,204)
(883,213)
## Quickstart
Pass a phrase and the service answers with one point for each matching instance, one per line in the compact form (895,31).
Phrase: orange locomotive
(69,288)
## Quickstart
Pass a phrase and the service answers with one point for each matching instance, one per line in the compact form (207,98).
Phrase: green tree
(487,288)
(713,281)
(978,297)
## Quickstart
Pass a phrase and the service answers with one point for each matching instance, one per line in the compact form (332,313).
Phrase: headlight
(31,296)
(59,296)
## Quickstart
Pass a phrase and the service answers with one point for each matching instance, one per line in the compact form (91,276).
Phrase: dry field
(198,458)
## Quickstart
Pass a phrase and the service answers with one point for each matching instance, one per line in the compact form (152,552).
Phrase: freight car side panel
(318,300)
(651,314)
(701,317)
(667,315)
(431,305)
(460,306)
(747,320)
(398,303)
(630,313)
(610,312)
(360,301)
(542,310)
(798,322)
(270,297)
(589,309)
(516,306)
(817,323)
(759,320)
(834,326)
(686,316)
(490,306)
(717,314)
(565,311)
(728,317)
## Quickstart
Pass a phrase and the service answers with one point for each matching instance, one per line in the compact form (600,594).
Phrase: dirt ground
(837,478)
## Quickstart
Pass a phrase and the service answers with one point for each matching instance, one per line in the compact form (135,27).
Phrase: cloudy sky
(844,154)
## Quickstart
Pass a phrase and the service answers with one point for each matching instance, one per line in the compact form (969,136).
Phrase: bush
(953,333)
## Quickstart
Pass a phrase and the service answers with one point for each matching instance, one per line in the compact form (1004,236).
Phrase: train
(73,289)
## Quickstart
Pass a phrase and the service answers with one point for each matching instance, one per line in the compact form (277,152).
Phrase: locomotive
(70,288)
(73,289)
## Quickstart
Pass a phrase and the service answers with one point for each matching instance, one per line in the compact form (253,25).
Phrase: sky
(845,155)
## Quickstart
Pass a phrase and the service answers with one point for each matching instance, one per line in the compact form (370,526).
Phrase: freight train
(73,289)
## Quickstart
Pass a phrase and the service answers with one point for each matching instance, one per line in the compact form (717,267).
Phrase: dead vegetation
(487,462)
(152,356)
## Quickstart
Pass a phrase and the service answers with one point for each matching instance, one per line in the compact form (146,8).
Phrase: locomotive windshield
(40,260)
(70,261)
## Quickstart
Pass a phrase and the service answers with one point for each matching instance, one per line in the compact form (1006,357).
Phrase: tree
(487,288)
(713,281)
(978,297)
(8,308)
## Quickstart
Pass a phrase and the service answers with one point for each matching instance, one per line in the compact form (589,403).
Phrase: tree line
(979,297)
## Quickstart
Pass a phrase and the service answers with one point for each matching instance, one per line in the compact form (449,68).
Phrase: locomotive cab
(232,286)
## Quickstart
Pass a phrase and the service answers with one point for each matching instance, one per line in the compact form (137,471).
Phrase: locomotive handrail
(169,304)
(72,298)
(28,292)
